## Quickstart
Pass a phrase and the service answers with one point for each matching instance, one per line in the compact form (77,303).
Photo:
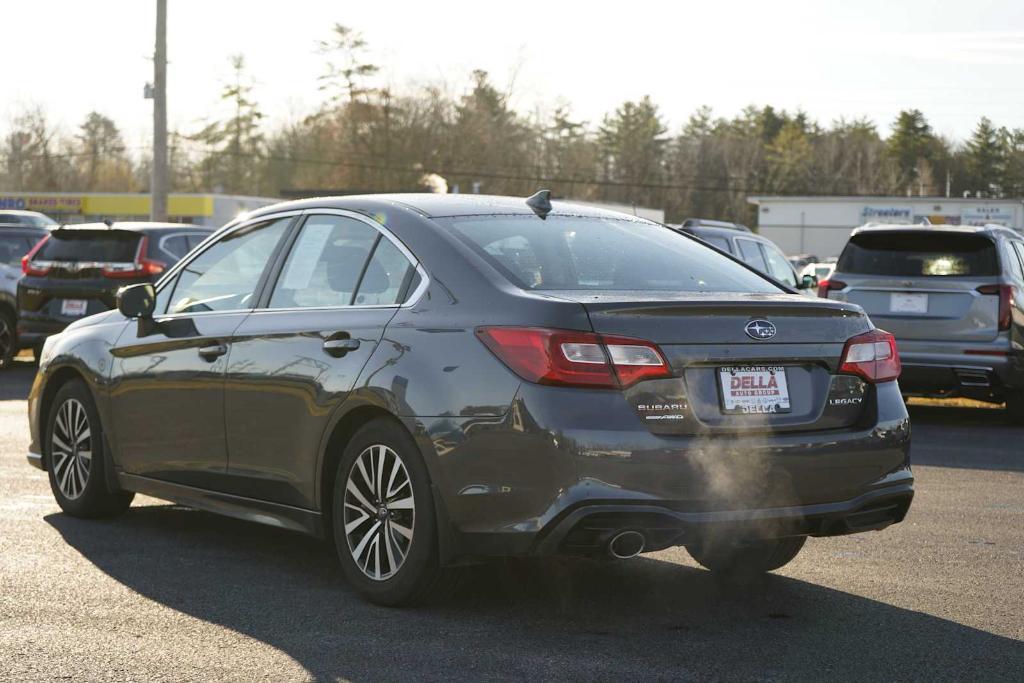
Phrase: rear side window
(13,247)
(750,252)
(719,242)
(1018,247)
(914,254)
(573,253)
(778,266)
(100,246)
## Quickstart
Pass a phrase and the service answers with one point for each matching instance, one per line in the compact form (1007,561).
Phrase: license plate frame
(908,302)
(74,308)
(759,395)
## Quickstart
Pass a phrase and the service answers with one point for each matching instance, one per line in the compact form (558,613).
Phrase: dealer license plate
(908,303)
(74,308)
(754,389)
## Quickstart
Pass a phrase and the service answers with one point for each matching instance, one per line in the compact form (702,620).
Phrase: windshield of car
(100,246)
(926,253)
(572,253)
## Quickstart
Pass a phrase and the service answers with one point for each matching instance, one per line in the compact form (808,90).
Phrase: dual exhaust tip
(626,544)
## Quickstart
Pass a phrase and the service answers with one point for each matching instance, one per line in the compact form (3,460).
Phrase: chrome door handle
(212,352)
(339,347)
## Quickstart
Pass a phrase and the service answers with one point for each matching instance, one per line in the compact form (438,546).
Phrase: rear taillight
(872,356)
(578,359)
(826,286)
(142,267)
(29,266)
(1006,294)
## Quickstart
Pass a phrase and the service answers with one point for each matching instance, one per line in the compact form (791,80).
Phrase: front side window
(574,253)
(224,277)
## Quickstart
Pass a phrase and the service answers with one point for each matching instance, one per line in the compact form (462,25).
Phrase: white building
(821,225)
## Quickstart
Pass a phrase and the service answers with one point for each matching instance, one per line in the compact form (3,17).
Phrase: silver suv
(954,298)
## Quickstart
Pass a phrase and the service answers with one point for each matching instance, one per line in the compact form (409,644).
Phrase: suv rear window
(914,254)
(573,253)
(114,246)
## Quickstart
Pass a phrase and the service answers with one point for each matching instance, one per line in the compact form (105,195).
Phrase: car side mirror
(137,301)
(808,281)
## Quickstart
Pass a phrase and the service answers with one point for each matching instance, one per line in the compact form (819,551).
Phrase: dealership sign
(887,214)
(980,215)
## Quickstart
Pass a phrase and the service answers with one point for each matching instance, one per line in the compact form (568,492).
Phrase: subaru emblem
(760,330)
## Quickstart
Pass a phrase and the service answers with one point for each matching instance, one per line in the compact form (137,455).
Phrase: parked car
(18,234)
(952,297)
(77,270)
(16,218)
(429,380)
(819,270)
(757,251)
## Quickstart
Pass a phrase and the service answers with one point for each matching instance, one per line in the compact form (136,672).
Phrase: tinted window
(600,253)
(750,251)
(778,266)
(326,263)
(719,242)
(224,277)
(104,246)
(925,253)
(386,276)
(13,247)
(1019,247)
(174,246)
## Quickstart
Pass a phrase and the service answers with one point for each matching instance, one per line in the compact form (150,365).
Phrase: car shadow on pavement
(584,619)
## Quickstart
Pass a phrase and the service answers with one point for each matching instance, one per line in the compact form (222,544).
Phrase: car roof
(961,229)
(23,212)
(432,205)
(136,226)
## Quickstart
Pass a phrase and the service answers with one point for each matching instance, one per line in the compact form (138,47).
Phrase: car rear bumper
(983,371)
(552,478)
(588,529)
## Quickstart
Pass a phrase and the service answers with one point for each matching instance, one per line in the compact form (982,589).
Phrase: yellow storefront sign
(100,205)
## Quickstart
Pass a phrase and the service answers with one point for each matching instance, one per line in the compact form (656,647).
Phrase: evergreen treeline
(365,138)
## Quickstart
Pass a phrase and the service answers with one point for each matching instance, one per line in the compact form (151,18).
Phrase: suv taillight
(142,267)
(1006,294)
(29,266)
(574,359)
(872,356)
(826,286)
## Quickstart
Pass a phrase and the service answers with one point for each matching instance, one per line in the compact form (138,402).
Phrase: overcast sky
(956,61)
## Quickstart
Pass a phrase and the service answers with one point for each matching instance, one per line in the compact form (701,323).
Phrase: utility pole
(158,184)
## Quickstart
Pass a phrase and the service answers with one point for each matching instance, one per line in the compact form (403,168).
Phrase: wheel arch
(57,379)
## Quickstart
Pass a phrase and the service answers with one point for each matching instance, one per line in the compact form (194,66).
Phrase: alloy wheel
(71,448)
(380,512)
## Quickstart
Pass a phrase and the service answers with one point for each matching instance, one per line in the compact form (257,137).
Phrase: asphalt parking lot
(166,593)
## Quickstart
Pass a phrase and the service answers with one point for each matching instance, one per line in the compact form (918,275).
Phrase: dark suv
(753,249)
(19,232)
(77,270)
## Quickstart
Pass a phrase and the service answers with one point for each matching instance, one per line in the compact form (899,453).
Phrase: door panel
(282,389)
(168,401)
(168,377)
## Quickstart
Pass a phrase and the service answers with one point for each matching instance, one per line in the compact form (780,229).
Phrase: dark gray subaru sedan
(429,380)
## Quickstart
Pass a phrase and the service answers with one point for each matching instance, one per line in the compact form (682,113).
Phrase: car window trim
(215,238)
(263,302)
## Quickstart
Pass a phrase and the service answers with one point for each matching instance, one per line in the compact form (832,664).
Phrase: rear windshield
(572,253)
(909,254)
(90,245)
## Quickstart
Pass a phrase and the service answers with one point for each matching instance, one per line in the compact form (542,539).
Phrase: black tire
(78,482)
(418,575)
(1015,408)
(748,559)
(8,339)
